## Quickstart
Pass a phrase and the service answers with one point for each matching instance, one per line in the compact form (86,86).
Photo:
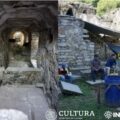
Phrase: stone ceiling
(21,14)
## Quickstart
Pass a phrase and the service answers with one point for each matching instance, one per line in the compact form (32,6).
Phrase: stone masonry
(74,46)
(38,20)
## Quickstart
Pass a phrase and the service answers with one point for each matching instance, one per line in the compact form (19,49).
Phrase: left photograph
(28,65)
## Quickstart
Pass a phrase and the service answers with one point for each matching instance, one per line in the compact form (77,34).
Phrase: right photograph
(88,56)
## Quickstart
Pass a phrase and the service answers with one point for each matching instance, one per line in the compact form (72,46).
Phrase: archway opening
(19,49)
(19,38)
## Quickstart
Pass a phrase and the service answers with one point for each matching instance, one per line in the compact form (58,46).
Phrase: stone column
(5,49)
(34,44)
(47,60)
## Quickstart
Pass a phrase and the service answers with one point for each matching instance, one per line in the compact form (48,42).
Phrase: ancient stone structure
(112,19)
(38,23)
(74,46)
(77,7)
(88,38)
(77,46)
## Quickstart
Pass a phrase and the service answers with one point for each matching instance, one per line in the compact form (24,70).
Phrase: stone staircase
(62,50)
(74,46)
(84,69)
(81,70)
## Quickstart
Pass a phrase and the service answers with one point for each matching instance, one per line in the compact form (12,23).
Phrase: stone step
(80,68)
(97,82)
(62,62)
(86,71)
(79,62)
(22,75)
(80,71)
(86,39)
(76,72)
(61,41)
(85,31)
(14,63)
(61,36)
(66,50)
(85,36)
(62,44)
(22,69)
(59,57)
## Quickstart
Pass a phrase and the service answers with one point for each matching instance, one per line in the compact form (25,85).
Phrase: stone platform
(26,98)
(97,82)
(21,75)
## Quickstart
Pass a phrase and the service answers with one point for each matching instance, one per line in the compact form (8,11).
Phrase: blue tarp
(114,48)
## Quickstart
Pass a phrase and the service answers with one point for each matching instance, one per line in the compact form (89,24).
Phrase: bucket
(112,91)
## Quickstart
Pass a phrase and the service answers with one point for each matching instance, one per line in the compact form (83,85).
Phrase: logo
(108,114)
(51,114)
(75,114)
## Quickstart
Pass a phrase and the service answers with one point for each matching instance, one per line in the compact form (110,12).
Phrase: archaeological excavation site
(28,36)
(59,60)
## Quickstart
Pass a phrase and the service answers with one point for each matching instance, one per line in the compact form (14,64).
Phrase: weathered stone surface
(77,7)
(14,75)
(34,44)
(38,20)
(12,114)
(74,47)
(26,98)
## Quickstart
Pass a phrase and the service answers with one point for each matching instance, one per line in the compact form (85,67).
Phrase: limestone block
(22,75)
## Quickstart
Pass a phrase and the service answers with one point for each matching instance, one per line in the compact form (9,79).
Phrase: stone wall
(74,46)
(103,51)
(32,17)
(34,44)
(77,7)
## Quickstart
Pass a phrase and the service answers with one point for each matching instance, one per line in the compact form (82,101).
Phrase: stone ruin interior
(28,35)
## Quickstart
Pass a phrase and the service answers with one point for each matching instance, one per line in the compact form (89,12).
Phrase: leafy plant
(106,5)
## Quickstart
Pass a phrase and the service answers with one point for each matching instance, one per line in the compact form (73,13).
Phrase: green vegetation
(103,6)
(85,102)
(106,5)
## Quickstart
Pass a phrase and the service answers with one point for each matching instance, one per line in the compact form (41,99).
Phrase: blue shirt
(110,63)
